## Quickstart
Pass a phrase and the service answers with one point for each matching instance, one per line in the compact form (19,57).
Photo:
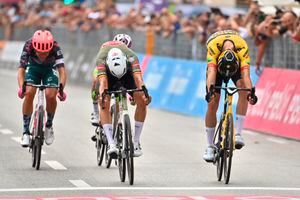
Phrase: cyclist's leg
(50,78)
(140,113)
(94,94)
(211,121)
(106,121)
(241,110)
(31,76)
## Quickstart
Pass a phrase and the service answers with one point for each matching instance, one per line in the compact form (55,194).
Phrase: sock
(108,132)
(95,107)
(239,124)
(26,123)
(50,117)
(137,131)
(210,132)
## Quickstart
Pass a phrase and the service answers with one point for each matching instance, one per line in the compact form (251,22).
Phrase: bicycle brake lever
(145,91)
(24,87)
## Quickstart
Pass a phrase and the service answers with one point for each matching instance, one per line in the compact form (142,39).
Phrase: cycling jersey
(215,43)
(133,62)
(29,57)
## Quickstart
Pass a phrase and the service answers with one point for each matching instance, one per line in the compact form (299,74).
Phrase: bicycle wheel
(100,147)
(108,159)
(228,148)
(121,157)
(219,152)
(39,140)
(32,143)
(129,149)
(33,150)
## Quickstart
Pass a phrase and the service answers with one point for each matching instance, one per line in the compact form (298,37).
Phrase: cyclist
(227,58)
(126,39)
(116,62)
(41,61)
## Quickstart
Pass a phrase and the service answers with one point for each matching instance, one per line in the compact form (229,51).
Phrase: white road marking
(55,165)
(79,183)
(6,131)
(17,139)
(150,188)
(277,140)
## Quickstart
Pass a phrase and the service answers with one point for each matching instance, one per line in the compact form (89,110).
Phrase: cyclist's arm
(138,79)
(212,55)
(245,73)
(21,76)
(62,76)
(211,76)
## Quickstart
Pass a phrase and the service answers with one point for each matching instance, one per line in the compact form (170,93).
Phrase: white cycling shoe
(209,155)
(49,135)
(25,141)
(137,150)
(112,150)
(239,141)
(94,119)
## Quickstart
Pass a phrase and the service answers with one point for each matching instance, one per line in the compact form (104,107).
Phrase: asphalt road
(172,163)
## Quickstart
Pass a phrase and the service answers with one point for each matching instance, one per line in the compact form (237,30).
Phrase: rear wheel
(228,150)
(39,140)
(129,149)
(100,147)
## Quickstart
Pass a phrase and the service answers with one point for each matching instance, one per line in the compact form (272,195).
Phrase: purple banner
(151,6)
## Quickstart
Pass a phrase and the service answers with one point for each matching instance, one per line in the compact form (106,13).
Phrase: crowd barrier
(178,85)
(278,109)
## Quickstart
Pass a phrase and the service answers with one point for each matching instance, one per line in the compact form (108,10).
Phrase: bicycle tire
(129,149)
(121,159)
(33,150)
(100,152)
(108,159)
(228,150)
(219,153)
(39,139)
(32,144)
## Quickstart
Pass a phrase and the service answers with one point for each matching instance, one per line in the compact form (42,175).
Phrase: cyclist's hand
(251,97)
(210,94)
(146,97)
(62,96)
(21,93)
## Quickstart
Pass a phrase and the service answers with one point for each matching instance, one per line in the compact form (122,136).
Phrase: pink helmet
(42,41)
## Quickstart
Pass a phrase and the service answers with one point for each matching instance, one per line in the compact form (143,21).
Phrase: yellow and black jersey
(215,43)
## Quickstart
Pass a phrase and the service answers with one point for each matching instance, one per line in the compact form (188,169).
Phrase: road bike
(224,138)
(122,132)
(37,124)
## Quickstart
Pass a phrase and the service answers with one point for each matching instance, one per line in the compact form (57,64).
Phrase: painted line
(17,139)
(276,140)
(6,131)
(55,165)
(150,188)
(79,183)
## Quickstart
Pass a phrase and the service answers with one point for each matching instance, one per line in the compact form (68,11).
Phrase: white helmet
(126,39)
(116,62)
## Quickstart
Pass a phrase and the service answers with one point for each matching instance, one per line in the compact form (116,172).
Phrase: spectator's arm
(260,53)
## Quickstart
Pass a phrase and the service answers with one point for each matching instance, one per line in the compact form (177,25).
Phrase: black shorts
(220,79)
(126,81)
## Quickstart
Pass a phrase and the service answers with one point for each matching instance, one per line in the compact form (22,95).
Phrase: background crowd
(254,23)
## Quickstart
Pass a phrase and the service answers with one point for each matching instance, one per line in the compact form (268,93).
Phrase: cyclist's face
(42,55)
(228,45)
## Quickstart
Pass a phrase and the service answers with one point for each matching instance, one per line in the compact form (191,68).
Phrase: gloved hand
(251,97)
(21,93)
(210,94)
(62,96)
(94,95)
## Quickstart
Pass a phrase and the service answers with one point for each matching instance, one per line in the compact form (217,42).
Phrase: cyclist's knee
(140,101)
(50,94)
(30,92)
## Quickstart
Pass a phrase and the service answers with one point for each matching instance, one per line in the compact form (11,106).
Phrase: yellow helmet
(228,63)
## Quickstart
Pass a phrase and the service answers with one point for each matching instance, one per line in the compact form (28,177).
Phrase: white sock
(137,131)
(95,107)
(239,124)
(210,132)
(108,132)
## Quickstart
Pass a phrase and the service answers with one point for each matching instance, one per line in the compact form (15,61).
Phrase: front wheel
(228,148)
(219,151)
(121,157)
(129,149)
(39,140)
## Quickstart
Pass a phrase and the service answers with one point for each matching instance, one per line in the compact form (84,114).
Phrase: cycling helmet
(126,39)
(228,63)
(42,41)
(116,62)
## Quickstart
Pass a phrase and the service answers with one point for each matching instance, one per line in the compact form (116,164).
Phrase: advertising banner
(278,108)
